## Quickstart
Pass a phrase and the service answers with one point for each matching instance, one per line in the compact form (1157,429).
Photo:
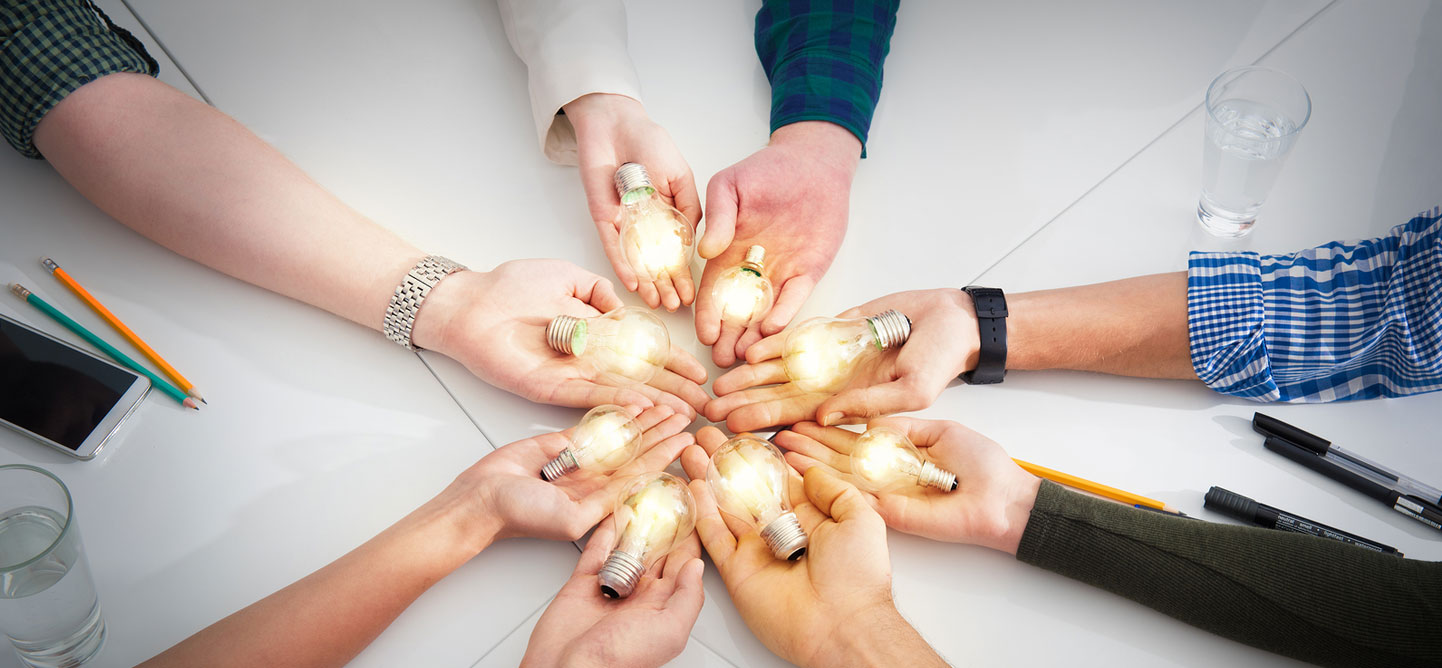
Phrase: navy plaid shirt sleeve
(50,48)
(1353,320)
(823,59)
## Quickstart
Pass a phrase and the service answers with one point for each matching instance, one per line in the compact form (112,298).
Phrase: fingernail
(831,419)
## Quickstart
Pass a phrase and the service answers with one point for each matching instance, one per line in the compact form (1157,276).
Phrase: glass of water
(1254,115)
(48,607)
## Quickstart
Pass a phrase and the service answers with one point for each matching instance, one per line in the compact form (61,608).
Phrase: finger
(689,595)
(669,299)
(695,462)
(792,441)
(611,243)
(839,440)
(594,290)
(710,439)
(647,290)
(594,556)
(685,287)
(924,433)
(721,205)
(684,389)
(649,418)
(766,349)
(660,455)
(717,409)
(748,339)
(746,376)
(723,353)
(664,398)
(788,303)
(802,463)
(718,540)
(689,548)
(897,396)
(773,413)
(836,498)
(686,198)
(685,364)
(708,313)
(581,393)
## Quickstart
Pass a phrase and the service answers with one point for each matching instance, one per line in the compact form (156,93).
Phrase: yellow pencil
(1094,487)
(185,385)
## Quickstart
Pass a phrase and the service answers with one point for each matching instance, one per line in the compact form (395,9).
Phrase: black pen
(1236,506)
(1411,506)
(1321,447)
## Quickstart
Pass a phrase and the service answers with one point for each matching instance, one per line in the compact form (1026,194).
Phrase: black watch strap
(991,321)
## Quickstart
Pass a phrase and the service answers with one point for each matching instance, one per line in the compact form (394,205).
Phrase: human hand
(612,130)
(494,323)
(581,627)
(504,494)
(989,507)
(805,611)
(943,344)
(792,198)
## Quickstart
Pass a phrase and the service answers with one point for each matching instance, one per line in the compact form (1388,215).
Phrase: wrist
(875,637)
(835,144)
(965,308)
(437,314)
(1019,497)
(601,109)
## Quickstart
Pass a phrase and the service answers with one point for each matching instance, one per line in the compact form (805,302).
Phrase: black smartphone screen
(51,389)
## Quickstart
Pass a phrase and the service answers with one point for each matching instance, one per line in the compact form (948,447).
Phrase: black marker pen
(1236,506)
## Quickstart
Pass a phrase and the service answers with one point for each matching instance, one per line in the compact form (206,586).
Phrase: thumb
(721,205)
(836,498)
(897,396)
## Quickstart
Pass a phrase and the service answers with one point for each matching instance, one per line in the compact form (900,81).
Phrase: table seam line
(512,632)
(456,400)
(166,50)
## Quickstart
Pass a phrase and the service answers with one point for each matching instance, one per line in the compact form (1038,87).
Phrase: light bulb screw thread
(935,476)
(563,464)
(891,328)
(619,575)
(632,176)
(785,537)
(561,332)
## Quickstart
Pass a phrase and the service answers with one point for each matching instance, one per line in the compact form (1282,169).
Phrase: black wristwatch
(991,321)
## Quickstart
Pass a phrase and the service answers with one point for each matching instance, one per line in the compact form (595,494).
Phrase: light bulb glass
(748,477)
(626,346)
(656,239)
(743,293)
(822,354)
(654,512)
(606,439)
(885,460)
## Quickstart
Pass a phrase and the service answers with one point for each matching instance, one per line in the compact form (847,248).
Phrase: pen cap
(1230,503)
(1267,425)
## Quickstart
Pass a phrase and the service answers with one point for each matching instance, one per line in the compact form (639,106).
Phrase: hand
(612,130)
(804,610)
(942,345)
(648,628)
(791,197)
(989,507)
(495,324)
(504,494)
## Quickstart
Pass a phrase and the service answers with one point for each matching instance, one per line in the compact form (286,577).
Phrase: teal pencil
(55,314)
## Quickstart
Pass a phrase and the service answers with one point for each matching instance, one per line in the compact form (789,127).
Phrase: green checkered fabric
(49,48)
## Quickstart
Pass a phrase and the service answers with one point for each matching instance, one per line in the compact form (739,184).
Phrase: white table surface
(1078,122)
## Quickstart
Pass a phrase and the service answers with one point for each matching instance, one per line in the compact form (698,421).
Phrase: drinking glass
(48,607)
(1254,115)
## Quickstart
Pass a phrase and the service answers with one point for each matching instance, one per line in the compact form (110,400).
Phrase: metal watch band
(406,302)
(991,314)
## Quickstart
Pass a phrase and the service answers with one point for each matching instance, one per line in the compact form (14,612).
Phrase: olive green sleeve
(1300,596)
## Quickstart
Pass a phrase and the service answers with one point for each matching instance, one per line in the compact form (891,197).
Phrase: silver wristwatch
(406,302)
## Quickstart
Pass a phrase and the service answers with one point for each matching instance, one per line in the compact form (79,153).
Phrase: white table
(1064,144)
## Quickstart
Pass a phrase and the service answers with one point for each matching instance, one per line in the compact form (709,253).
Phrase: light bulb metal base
(619,575)
(785,537)
(561,333)
(891,328)
(563,464)
(632,176)
(935,476)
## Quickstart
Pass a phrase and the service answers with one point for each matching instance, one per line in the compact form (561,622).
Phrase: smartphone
(60,395)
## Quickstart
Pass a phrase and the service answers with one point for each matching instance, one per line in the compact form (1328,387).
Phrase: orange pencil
(1094,487)
(185,385)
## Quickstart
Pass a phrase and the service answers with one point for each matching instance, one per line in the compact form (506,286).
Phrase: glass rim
(64,530)
(1306,96)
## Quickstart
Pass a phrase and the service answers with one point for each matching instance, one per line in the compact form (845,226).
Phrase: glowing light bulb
(654,512)
(748,477)
(743,292)
(626,346)
(655,238)
(821,354)
(885,460)
(606,439)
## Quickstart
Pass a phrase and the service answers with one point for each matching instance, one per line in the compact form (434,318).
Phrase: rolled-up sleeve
(1345,320)
(50,48)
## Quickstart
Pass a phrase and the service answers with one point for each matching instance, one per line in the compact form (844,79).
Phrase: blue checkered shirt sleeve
(1345,320)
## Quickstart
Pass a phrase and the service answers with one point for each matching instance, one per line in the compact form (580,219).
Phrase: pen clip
(1267,425)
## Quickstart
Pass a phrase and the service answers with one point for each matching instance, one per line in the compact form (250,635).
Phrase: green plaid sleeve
(48,49)
(823,59)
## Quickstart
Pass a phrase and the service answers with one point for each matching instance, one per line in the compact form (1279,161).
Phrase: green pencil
(55,314)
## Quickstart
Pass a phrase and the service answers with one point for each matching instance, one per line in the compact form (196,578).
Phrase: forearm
(1356,607)
(199,183)
(329,616)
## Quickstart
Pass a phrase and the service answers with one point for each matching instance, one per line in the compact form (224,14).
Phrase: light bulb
(606,439)
(821,354)
(655,238)
(885,460)
(743,292)
(654,512)
(626,346)
(748,477)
